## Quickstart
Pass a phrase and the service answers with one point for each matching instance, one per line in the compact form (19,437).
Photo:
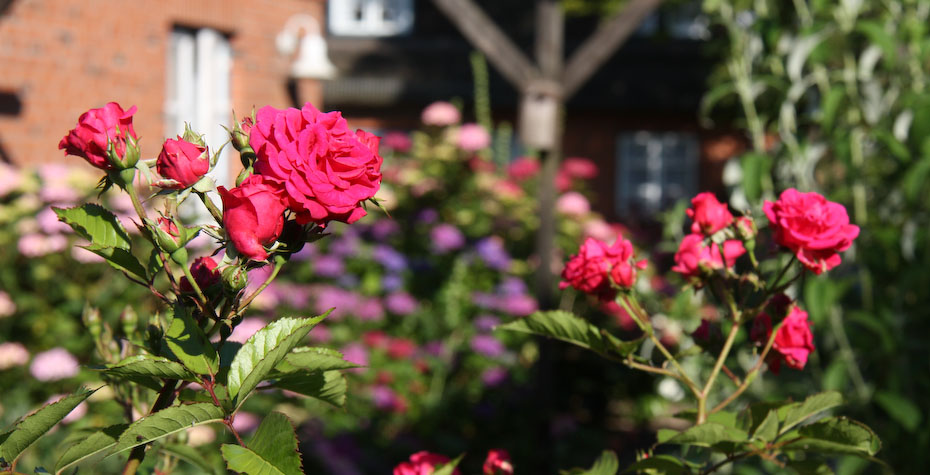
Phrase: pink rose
(253,215)
(573,204)
(423,463)
(204,271)
(709,215)
(473,137)
(497,463)
(398,142)
(693,256)
(815,229)
(183,162)
(597,265)
(324,170)
(441,114)
(95,127)
(579,168)
(794,341)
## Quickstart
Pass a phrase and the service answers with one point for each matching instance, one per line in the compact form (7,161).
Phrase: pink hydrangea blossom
(441,114)
(573,204)
(473,137)
(53,365)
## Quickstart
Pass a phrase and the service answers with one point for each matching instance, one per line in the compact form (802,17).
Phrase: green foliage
(96,224)
(189,345)
(567,327)
(33,426)
(166,422)
(311,359)
(149,366)
(263,351)
(327,386)
(449,467)
(606,464)
(96,444)
(272,451)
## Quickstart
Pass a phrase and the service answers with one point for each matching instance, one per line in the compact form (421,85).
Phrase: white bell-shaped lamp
(312,61)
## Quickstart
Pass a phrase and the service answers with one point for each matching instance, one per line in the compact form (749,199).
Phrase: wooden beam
(599,47)
(550,31)
(475,25)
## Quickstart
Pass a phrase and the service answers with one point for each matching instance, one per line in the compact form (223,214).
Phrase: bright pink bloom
(95,127)
(441,114)
(523,168)
(253,215)
(815,229)
(473,137)
(497,463)
(597,264)
(205,274)
(573,204)
(53,365)
(398,142)
(693,255)
(794,341)
(324,170)
(579,168)
(183,162)
(709,215)
(423,463)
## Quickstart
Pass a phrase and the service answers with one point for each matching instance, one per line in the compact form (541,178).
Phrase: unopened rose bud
(182,163)
(129,321)
(172,237)
(746,228)
(235,278)
(91,318)
(193,137)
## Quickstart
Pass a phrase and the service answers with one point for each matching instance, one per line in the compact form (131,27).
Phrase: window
(199,62)
(370,17)
(654,170)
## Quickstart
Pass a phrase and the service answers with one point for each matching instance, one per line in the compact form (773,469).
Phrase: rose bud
(497,463)
(240,134)
(235,278)
(794,341)
(815,229)
(695,258)
(709,215)
(204,271)
(253,215)
(182,163)
(104,137)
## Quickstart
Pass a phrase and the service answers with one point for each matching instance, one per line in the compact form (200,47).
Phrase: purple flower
(487,345)
(491,251)
(434,348)
(400,303)
(355,353)
(245,329)
(53,365)
(485,300)
(320,334)
(391,282)
(388,257)
(383,397)
(345,245)
(369,309)
(327,297)
(329,266)
(517,305)
(512,286)
(428,216)
(486,323)
(348,281)
(49,223)
(384,228)
(494,376)
(446,238)
(306,253)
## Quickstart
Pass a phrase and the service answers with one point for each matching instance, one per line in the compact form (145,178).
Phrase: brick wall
(62,57)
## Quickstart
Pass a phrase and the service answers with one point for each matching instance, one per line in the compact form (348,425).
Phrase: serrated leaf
(155,263)
(837,435)
(150,366)
(768,429)
(189,345)
(276,442)
(448,468)
(121,260)
(569,328)
(811,406)
(38,423)
(661,463)
(707,434)
(192,456)
(312,359)
(242,460)
(95,444)
(262,352)
(606,464)
(329,386)
(96,224)
(166,422)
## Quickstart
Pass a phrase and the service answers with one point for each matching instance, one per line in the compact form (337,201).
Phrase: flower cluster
(599,269)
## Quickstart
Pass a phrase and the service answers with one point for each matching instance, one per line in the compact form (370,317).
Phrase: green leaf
(811,406)
(311,359)
(95,444)
(242,460)
(150,366)
(837,435)
(192,456)
(606,464)
(189,345)
(276,441)
(768,429)
(121,260)
(96,224)
(756,168)
(830,105)
(569,328)
(263,351)
(902,410)
(448,468)
(661,464)
(166,422)
(706,435)
(38,423)
(329,386)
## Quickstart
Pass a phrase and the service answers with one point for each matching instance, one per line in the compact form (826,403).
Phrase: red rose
(815,229)
(497,463)
(183,162)
(204,271)
(423,463)
(89,139)
(523,168)
(253,215)
(709,215)
(704,333)
(693,255)
(596,264)
(324,170)
(794,341)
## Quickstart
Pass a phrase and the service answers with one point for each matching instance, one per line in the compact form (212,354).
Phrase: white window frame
(367,17)
(654,169)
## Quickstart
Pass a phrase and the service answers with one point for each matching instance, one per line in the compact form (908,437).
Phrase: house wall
(59,58)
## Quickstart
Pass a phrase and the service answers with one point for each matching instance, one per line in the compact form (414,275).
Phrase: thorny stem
(702,408)
(214,211)
(750,376)
(201,298)
(229,424)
